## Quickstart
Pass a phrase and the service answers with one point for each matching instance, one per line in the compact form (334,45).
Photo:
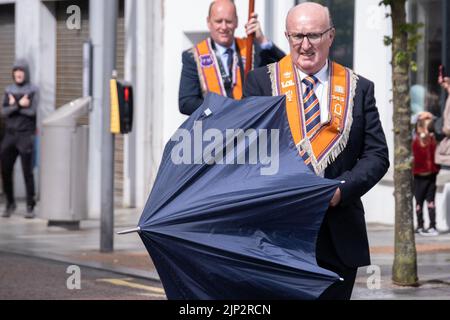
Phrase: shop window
(425,89)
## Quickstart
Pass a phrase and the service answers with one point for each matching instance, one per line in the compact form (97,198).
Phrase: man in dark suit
(335,125)
(217,63)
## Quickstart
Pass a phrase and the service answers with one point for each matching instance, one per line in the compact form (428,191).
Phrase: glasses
(313,38)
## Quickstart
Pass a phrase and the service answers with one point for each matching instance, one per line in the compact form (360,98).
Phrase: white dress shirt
(221,53)
(320,89)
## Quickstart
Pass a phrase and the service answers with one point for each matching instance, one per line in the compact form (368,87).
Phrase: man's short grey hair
(330,18)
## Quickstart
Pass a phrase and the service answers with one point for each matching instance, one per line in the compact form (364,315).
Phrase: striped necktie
(311,106)
(229,80)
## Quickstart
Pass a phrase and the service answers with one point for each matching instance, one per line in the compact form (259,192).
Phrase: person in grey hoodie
(19,110)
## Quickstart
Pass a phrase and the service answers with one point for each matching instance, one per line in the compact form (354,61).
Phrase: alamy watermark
(73,22)
(374,280)
(233,147)
(73,282)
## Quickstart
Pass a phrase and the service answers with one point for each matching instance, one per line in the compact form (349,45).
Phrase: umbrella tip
(341,279)
(137,229)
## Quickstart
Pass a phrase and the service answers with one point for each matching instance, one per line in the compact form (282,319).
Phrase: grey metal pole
(103,19)
(107,191)
(87,69)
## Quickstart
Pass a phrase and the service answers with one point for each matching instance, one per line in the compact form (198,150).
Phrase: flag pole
(250,37)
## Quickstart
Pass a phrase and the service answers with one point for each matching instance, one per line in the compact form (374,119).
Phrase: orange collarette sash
(209,71)
(328,142)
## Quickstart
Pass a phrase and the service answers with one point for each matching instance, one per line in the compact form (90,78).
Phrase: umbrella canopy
(234,212)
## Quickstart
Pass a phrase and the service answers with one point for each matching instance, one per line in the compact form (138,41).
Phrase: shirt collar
(322,75)
(221,50)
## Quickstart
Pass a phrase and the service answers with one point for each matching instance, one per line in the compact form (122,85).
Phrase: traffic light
(121,107)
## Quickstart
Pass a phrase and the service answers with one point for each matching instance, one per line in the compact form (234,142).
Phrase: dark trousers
(340,290)
(327,258)
(425,190)
(17,144)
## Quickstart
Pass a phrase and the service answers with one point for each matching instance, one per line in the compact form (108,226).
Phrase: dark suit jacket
(364,161)
(190,94)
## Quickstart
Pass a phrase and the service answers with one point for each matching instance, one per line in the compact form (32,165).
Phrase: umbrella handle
(138,229)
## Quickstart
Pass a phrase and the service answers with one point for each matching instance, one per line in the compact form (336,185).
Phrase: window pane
(424,87)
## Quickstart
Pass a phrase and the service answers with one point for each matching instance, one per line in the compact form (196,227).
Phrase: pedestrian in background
(425,171)
(19,111)
(443,149)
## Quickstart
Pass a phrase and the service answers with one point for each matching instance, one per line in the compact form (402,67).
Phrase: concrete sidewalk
(34,238)
(82,247)
(433,265)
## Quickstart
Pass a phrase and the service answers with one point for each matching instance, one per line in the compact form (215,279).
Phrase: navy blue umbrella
(234,212)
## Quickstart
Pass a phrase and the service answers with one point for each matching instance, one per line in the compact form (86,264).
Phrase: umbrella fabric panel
(226,114)
(228,231)
(190,271)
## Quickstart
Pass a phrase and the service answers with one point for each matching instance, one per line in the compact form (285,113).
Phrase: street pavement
(433,268)
(30,278)
(130,263)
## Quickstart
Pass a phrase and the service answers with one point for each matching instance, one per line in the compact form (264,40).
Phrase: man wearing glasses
(335,125)
(217,64)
